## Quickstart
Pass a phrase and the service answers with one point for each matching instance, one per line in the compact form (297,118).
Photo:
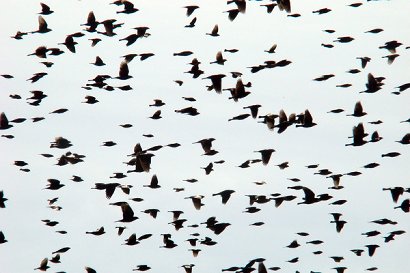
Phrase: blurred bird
(42,26)
(358,110)
(214,31)
(226,194)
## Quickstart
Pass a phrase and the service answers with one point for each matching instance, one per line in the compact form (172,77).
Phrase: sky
(291,88)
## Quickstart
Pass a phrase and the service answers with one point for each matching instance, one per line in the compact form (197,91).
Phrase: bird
(269,7)
(206,144)
(156,115)
(284,5)
(42,26)
(154,183)
(404,206)
(293,244)
(196,200)
(239,117)
(358,135)
(254,109)
(395,192)
(69,43)
(2,200)
(98,61)
(124,72)
(2,238)
(404,140)
(142,267)
(266,155)
(43,265)
(190,9)
(225,194)
(391,46)
(214,31)
(371,249)
(307,120)
(358,110)
(216,80)
(4,122)
(191,23)
(219,59)
(127,213)
(128,7)
(97,232)
(54,184)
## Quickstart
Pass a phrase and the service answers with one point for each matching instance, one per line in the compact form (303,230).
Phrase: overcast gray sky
(290,88)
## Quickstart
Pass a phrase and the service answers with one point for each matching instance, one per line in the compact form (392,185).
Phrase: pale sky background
(290,88)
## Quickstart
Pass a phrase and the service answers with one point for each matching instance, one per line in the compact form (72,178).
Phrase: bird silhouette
(214,31)
(42,26)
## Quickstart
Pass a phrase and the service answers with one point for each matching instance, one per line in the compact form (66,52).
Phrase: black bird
(269,7)
(226,194)
(358,135)
(395,192)
(219,59)
(239,117)
(214,31)
(284,5)
(97,232)
(43,265)
(40,52)
(216,82)
(371,249)
(307,120)
(98,61)
(54,184)
(45,10)
(128,8)
(42,26)
(127,212)
(404,206)
(206,144)
(192,23)
(109,188)
(2,200)
(254,109)
(69,43)
(265,154)
(154,183)
(358,110)
(92,24)
(391,46)
(344,39)
(156,115)
(322,11)
(124,72)
(190,9)
(196,200)
(4,122)
(405,139)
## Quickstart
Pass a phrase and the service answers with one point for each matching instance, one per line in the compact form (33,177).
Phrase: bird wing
(282,116)
(309,194)
(215,30)
(42,24)
(127,211)
(307,117)
(4,122)
(154,180)
(123,70)
(45,8)
(128,5)
(358,108)
(91,18)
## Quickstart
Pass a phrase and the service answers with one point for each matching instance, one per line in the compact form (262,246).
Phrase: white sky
(290,88)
